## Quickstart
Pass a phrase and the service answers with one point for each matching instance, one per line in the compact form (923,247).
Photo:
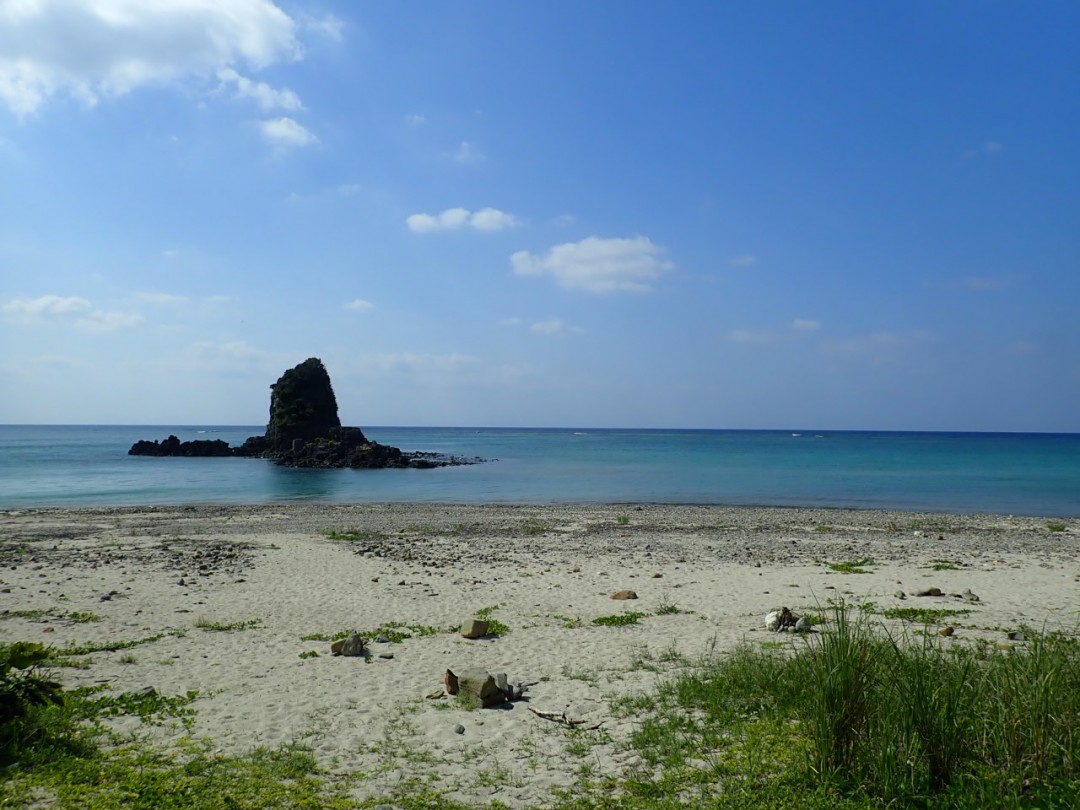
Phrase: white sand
(550,570)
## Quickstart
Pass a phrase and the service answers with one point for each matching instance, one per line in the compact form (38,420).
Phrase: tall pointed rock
(302,405)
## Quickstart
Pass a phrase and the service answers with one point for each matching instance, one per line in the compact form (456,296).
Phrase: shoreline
(221,598)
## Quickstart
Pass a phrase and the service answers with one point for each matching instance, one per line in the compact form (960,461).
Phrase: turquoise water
(1025,474)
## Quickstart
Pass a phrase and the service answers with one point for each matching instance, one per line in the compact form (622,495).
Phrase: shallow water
(1028,474)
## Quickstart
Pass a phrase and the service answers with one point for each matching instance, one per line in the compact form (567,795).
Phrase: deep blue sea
(1003,473)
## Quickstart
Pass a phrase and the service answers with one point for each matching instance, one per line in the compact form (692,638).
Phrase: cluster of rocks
(485,688)
(304,431)
(776,621)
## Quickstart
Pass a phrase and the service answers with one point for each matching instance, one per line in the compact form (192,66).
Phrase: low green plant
(105,646)
(204,623)
(24,682)
(944,565)
(570,622)
(623,520)
(922,615)
(851,566)
(309,654)
(495,627)
(619,619)
(1056,526)
(83,617)
(535,526)
(667,609)
(354,536)
(33,615)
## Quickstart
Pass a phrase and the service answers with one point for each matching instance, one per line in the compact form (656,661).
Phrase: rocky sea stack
(304,431)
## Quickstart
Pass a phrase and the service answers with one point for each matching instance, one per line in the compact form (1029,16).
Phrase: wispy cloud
(452,219)
(878,348)
(265,96)
(70,310)
(984,283)
(598,265)
(745,260)
(986,149)
(553,327)
(159,299)
(415,362)
(467,152)
(798,329)
(359,305)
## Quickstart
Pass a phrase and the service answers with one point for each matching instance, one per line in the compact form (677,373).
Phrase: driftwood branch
(561,718)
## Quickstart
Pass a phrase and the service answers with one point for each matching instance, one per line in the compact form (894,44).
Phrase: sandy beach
(232,601)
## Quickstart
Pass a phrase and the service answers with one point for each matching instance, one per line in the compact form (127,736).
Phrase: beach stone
(968,596)
(474,628)
(930,592)
(450,681)
(624,595)
(947,631)
(459,729)
(352,645)
(481,685)
(802,625)
(900,595)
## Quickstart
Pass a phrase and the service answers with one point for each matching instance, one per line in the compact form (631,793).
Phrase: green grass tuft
(619,619)
(851,567)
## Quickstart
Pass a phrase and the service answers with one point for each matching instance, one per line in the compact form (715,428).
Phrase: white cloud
(492,219)
(329,26)
(267,97)
(359,305)
(159,299)
(599,265)
(415,120)
(553,327)
(743,261)
(77,312)
(285,132)
(46,306)
(101,321)
(416,362)
(89,49)
(804,325)
(452,219)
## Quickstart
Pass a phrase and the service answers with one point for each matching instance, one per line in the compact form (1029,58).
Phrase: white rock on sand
(273,574)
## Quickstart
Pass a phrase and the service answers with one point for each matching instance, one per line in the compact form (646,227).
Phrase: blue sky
(705,214)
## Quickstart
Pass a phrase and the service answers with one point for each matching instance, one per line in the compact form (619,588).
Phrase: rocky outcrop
(303,406)
(304,431)
(172,446)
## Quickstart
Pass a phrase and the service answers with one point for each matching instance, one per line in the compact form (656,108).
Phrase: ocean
(995,473)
